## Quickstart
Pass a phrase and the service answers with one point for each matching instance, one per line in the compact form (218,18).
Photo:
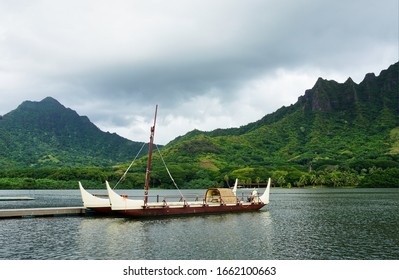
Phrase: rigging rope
(124,174)
(167,169)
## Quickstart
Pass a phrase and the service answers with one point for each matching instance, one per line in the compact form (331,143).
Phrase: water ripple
(308,224)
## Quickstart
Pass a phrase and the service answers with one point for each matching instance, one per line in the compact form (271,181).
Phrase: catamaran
(215,200)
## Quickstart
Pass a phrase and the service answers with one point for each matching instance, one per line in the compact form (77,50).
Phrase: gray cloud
(208,64)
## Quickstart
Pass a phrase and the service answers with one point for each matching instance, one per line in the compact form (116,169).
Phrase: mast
(147,174)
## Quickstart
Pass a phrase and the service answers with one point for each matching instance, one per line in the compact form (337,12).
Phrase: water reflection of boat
(215,200)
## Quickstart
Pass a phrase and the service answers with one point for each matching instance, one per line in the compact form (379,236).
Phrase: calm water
(297,224)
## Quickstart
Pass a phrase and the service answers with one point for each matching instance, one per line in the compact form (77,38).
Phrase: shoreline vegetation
(94,178)
(27,184)
(72,185)
(91,186)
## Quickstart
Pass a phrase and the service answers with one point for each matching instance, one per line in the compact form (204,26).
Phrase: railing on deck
(244,197)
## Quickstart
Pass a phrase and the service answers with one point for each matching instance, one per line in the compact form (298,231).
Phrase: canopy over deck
(220,195)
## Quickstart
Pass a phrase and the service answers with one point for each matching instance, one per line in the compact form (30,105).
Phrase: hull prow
(265,197)
(93,202)
(119,202)
(235,187)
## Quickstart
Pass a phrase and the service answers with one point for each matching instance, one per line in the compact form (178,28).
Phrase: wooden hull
(188,210)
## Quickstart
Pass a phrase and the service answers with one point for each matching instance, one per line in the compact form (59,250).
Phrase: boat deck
(189,204)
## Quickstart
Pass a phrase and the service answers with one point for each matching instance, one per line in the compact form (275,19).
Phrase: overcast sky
(207,64)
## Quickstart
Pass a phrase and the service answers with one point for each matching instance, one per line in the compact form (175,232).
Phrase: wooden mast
(147,174)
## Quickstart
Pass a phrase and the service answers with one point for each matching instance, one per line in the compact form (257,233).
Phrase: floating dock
(41,212)
(15,198)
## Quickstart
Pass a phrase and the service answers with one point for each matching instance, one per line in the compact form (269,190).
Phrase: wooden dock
(41,212)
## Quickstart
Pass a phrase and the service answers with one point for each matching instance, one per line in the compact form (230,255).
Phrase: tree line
(190,178)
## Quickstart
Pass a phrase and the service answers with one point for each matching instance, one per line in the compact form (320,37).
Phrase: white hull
(119,202)
(92,202)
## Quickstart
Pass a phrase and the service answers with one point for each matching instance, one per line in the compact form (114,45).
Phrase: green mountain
(335,134)
(46,133)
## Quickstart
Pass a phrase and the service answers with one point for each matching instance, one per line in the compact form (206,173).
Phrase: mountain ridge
(341,127)
(272,117)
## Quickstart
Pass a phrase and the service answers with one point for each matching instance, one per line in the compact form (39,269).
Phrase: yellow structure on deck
(217,195)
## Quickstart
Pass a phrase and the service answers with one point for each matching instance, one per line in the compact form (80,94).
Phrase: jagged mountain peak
(331,96)
(369,77)
(349,81)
